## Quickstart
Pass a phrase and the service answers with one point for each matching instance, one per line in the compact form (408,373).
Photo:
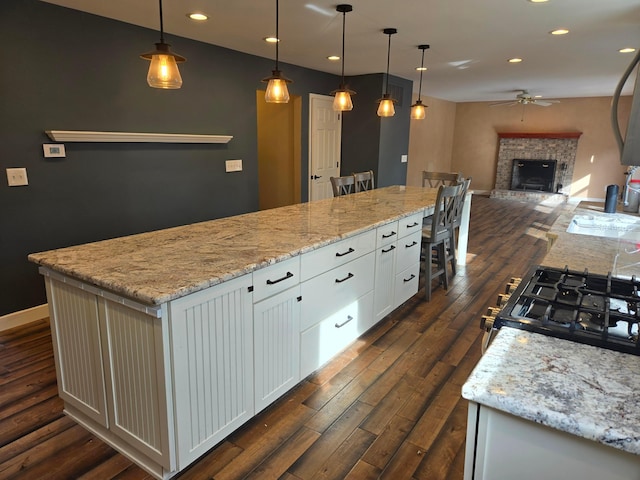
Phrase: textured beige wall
(431,140)
(464,137)
(475,142)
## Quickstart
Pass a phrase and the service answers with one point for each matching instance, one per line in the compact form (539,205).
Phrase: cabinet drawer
(321,342)
(406,285)
(410,224)
(275,278)
(387,234)
(408,251)
(336,254)
(325,294)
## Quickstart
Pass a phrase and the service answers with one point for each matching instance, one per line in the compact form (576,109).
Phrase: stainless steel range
(584,307)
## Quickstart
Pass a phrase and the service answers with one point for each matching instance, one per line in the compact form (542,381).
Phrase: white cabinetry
(276,331)
(212,353)
(336,298)
(112,363)
(501,446)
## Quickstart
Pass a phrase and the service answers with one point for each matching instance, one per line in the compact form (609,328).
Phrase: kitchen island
(165,342)
(545,407)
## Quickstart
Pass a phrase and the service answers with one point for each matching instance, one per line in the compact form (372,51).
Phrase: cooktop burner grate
(589,308)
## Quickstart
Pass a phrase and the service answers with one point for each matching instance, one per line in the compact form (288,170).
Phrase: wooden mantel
(539,135)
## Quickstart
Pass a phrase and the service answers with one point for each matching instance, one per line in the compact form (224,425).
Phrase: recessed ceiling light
(271,39)
(200,17)
(538,1)
(333,58)
(627,50)
(515,60)
(418,69)
(559,31)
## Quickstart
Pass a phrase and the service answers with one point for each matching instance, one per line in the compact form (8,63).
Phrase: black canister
(611,200)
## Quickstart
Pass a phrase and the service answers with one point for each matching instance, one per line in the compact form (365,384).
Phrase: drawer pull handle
(413,244)
(409,279)
(345,278)
(392,247)
(340,325)
(414,224)
(389,235)
(351,250)
(273,282)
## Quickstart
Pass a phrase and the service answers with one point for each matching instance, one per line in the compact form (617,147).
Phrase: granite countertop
(620,256)
(159,266)
(579,389)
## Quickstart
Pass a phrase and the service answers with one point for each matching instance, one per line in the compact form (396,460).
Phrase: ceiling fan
(525,98)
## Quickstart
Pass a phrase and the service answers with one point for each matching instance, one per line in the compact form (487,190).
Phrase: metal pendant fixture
(163,71)
(277,91)
(418,110)
(342,101)
(385,106)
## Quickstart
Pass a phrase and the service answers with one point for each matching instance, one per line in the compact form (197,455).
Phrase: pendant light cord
(277,34)
(421,70)
(161,23)
(344,16)
(386,88)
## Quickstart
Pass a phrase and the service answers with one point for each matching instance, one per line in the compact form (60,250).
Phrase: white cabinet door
(212,348)
(136,359)
(276,339)
(385,279)
(75,332)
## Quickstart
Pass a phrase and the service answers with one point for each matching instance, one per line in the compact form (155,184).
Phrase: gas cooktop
(594,309)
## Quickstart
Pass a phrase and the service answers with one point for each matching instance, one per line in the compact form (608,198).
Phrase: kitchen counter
(586,391)
(620,256)
(160,266)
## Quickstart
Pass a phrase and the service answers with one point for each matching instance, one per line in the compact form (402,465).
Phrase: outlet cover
(17,177)
(233,165)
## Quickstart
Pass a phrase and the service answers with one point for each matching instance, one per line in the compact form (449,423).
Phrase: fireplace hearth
(536,175)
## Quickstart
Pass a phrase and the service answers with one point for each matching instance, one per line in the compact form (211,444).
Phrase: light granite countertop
(159,266)
(601,255)
(579,389)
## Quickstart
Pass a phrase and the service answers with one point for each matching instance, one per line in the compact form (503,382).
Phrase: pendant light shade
(385,106)
(342,101)
(163,70)
(418,109)
(277,91)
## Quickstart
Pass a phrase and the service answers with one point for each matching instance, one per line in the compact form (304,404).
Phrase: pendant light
(163,71)
(277,91)
(418,110)
(386,108)
(342,101)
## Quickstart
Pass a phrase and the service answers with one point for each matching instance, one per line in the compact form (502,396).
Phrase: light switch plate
(404,158)
(17,177)
(233,165)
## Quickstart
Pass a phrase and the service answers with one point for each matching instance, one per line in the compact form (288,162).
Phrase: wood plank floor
(388,407)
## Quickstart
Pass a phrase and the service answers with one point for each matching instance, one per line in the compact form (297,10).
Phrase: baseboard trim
(24,317)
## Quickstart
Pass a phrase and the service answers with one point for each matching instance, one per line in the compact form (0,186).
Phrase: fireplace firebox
(535,175)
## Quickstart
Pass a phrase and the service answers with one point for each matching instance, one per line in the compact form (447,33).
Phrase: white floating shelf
(124,137)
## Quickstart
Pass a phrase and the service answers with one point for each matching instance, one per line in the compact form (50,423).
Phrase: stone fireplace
(535,166)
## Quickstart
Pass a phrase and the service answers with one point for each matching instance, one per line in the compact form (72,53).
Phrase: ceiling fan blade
(504,104)
(542,103)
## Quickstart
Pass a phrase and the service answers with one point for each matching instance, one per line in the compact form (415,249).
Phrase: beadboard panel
(211,333)
(135,380)
(76,342)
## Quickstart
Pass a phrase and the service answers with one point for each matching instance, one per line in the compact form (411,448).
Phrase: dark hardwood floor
(388,407)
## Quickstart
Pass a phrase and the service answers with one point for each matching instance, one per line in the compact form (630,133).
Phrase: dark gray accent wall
(67,70)
(373,143)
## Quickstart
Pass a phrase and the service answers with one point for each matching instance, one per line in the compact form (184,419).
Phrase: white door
(325,127)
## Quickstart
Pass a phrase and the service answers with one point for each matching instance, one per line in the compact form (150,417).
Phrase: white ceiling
(470,40)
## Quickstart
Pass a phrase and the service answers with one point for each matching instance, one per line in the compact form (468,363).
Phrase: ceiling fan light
(418,111)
